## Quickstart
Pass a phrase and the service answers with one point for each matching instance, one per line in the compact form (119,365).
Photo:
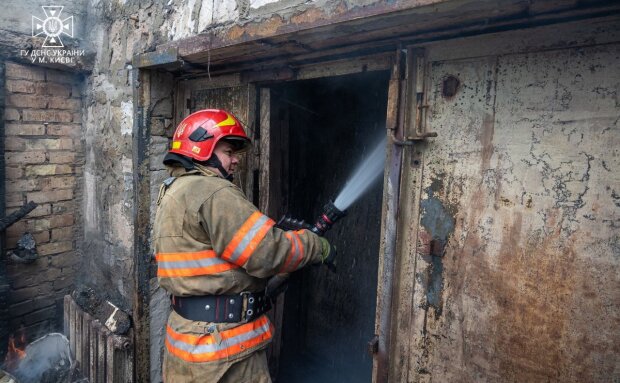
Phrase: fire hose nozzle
(328,217)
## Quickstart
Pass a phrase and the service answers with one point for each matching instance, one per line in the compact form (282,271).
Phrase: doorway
(322,129)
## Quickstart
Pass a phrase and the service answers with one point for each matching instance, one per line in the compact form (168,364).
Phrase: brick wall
(44,163)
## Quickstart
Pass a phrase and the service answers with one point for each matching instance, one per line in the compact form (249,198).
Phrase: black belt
(243,307)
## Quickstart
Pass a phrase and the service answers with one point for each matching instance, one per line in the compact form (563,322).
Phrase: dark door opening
(324,129)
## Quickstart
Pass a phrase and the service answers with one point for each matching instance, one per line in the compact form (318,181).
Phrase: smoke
(364,176)
(48,359)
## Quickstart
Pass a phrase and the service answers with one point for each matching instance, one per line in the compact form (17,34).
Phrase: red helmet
(197,135)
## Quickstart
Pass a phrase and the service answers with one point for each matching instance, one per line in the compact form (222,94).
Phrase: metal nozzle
(328,217)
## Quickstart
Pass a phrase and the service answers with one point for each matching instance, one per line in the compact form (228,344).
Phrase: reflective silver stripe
(215,347)
(248,238)
(191,264)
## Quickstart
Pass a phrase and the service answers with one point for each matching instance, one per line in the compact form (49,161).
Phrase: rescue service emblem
(196,149)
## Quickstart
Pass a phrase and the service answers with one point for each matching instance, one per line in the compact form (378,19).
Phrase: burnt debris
(26,250)
(116,320)
(46,360)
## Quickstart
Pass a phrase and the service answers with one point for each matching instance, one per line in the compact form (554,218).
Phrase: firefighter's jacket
(210,240)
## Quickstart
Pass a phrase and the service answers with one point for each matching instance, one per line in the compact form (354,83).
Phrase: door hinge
(416,114)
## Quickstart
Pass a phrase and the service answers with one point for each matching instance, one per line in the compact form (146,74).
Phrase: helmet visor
(240,144)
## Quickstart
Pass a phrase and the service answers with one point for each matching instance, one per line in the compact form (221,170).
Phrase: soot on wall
(334,124)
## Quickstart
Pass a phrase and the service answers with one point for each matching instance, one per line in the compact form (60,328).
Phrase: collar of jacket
(180,171)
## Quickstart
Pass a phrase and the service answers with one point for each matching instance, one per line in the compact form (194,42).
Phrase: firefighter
(215,252)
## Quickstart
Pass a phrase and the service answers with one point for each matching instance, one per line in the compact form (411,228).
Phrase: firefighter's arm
(242,235)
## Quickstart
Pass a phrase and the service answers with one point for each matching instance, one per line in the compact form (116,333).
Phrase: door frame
(269,169)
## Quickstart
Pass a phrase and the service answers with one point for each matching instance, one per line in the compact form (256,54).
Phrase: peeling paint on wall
(438,225)
(525,155)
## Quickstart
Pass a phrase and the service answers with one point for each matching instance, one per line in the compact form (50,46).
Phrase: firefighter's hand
(328,257)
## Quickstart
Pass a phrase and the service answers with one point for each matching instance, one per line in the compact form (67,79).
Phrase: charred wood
(116,320)
(17,215)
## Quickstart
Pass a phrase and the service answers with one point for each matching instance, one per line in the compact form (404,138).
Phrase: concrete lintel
(308,30)
(164,57)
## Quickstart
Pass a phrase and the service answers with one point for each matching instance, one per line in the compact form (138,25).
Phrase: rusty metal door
(508,262)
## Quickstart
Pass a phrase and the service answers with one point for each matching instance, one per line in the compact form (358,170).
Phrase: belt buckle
(247,305)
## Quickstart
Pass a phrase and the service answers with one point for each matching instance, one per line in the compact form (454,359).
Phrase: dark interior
(332,124)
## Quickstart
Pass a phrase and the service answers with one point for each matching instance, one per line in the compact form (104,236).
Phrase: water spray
(362,178)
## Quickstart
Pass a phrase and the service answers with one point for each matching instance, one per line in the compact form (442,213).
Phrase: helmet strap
(214,162)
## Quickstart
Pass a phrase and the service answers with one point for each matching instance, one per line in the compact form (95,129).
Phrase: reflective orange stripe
(291,254)
(190,264)
(301,250)
(205,348)
(247,238)
(296,254)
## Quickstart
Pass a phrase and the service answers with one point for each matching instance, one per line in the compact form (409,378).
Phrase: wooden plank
(214,82)
(101,376)
(78,335)
(129,362)
(72,327)
(252,157)
(181,95)
(142,82)
(66,317)
(382,61)
(86,320)
(110,368)
(267,205)
(265,148)
(119,359)
(92,370)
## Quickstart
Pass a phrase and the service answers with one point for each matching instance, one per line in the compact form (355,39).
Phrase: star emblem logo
(53,26)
